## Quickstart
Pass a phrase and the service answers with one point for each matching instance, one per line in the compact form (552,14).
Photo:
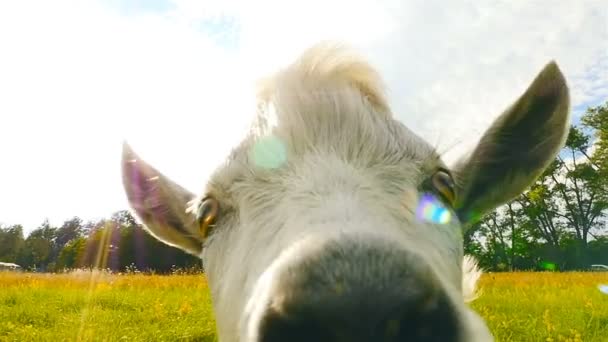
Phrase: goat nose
(358,292)
(426,320)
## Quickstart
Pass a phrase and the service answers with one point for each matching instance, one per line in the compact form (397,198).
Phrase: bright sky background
(173,77)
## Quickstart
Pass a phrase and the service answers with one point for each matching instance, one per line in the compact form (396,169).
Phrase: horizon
(175,80)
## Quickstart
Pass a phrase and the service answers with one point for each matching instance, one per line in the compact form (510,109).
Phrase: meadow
(98,306)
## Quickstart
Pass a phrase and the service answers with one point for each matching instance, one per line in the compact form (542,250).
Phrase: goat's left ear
(160,204)
(517,147)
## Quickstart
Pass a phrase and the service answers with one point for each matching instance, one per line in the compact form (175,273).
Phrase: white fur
(470,276)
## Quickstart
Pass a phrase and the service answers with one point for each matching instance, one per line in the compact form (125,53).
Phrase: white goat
(332,221)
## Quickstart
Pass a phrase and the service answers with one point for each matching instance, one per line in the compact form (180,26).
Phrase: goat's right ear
(516,148)
(160,204)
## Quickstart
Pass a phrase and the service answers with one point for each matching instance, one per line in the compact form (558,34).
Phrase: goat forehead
(381,150)
(328,103)
(340,122)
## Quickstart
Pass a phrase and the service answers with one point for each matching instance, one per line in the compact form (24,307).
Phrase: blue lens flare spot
(430,209)
(603,288)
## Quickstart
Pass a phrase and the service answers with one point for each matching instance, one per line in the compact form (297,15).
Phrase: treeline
(559,223)
(118,243)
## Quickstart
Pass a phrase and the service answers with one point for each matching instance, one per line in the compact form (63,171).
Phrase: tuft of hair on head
(470,276)
(324,66)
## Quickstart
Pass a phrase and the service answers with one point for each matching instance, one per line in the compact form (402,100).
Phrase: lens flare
(269,152)
(549,266)
(603,288)
(432,210)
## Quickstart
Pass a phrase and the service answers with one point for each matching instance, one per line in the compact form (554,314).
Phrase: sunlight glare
(430,209)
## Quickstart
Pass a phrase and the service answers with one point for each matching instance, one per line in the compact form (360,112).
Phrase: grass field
(103,307)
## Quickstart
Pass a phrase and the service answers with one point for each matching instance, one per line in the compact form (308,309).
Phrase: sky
(174,78)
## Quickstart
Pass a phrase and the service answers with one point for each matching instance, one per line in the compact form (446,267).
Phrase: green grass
(102,307)
(545,306)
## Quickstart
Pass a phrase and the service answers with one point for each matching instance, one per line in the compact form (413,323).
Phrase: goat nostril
(430,318)
(277,327)
(428,302)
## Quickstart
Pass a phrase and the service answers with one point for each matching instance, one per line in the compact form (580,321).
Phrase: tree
(70,230)
(38,248)
(11,242)
(596,118)
(71,254)
(540,217)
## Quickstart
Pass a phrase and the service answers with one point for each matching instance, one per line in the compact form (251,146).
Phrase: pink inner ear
(142,186)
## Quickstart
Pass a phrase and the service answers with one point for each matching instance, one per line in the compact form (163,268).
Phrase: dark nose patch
(353,291)
(410,323)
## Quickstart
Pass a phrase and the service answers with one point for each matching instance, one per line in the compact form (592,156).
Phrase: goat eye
(444,184)
(207,213)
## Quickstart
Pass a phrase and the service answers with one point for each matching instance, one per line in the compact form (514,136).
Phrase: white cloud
(451,68)
(76,77)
